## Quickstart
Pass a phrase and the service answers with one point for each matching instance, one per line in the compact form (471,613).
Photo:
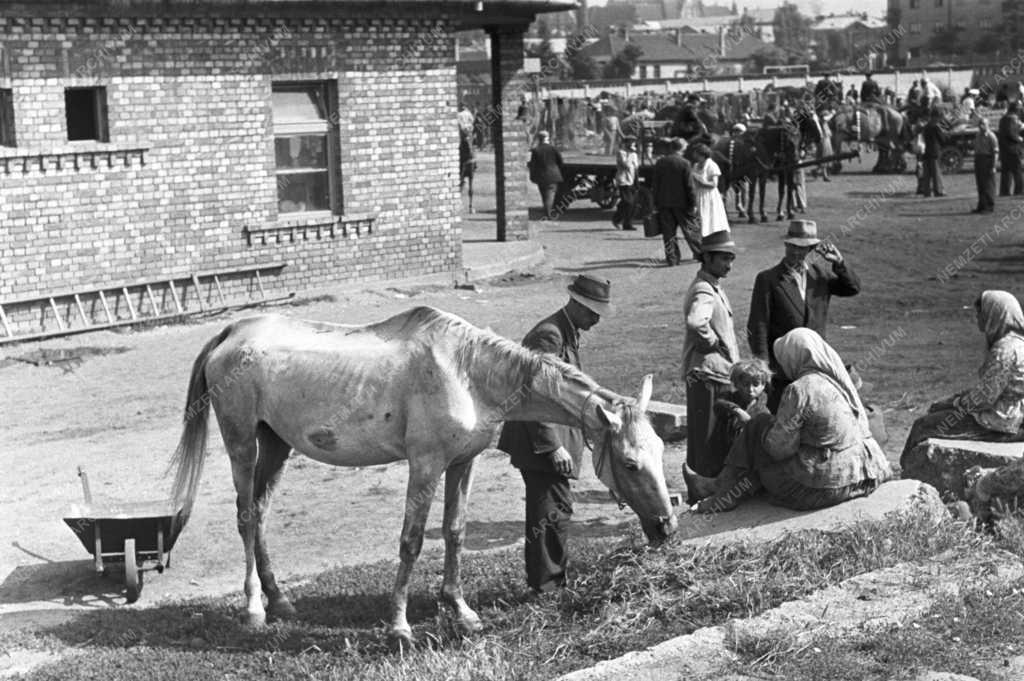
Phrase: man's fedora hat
(592,293)
(718,242)
(802,233)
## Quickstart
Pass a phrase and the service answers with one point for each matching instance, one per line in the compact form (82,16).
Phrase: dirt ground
(118,415)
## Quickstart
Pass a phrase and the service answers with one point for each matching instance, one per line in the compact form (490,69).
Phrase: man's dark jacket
(529,443)
(934,139)
(1010,135)
(672,185)
(776,307)
(545,165)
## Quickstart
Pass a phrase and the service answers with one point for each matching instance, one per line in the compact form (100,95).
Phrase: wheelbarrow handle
(85,485)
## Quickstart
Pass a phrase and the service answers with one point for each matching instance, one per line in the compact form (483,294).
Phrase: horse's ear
(646,388)
(609,418)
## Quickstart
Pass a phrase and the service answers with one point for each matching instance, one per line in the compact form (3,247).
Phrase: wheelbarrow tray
(143,521)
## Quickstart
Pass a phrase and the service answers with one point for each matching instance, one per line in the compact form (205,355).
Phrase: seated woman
(993,409)
(816,452)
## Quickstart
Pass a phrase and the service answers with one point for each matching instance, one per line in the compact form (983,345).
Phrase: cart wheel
(951,159)
(132,573)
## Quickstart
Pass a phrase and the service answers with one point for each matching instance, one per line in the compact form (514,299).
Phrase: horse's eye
(631,464)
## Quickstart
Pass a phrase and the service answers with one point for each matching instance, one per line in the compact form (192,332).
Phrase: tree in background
(792,31)
(581,66)
(623,64)
(767,56)
(745,24)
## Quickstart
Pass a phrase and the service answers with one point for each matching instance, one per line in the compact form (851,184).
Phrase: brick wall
(186,182)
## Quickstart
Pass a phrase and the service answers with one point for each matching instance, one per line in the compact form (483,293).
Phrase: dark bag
(651,227)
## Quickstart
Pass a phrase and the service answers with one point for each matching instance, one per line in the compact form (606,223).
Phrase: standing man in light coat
(709,348)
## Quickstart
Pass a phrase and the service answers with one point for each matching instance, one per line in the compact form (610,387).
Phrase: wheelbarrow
(135,536)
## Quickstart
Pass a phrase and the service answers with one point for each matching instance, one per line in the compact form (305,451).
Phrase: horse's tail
(191,452)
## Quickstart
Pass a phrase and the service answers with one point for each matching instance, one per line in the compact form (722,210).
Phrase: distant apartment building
(923,19)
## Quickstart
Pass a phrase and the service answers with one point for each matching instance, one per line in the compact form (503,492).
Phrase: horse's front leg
(457,482)
(423,476)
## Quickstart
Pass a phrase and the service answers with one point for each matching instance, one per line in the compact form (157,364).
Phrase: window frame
(8,136)
(99,112)
(328,126)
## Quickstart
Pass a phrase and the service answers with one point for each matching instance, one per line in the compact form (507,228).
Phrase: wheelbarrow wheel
(132,573)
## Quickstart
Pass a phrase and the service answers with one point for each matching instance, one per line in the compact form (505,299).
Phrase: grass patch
(619,599)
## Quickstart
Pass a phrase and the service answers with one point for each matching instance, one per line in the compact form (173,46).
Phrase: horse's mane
(479,353)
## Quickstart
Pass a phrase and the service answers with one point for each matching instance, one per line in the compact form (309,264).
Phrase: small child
(748,397)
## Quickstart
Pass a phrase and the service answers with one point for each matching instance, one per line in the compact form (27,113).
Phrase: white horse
(425,386)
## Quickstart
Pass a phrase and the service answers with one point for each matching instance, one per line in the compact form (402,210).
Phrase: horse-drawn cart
(135,536)
(593,177)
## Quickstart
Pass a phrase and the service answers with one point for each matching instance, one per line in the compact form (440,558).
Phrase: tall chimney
(721,41)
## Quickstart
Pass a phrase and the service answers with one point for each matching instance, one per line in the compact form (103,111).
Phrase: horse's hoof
(752,220)
(401,638)
(764,218)
(470,623)
(282,609)
(256,620)
(780,217)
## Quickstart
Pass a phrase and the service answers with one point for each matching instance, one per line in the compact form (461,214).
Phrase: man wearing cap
(545,166)
(709,349)
(795,294)
(675,201)
(1011,142)
(548,455)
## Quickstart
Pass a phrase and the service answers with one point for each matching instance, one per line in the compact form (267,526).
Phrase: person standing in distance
(675,202)
(545,166)
(549,455)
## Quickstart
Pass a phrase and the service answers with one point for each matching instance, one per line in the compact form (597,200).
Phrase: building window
(939,26)
(86,111)
(914,4)
(938,3)
(915,27)
(306,146)
(985,23)
(7,118)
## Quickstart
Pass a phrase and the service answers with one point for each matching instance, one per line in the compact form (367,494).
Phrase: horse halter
(601,455)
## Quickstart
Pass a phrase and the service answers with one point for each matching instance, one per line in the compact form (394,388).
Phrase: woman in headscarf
(817,451)
(993,410)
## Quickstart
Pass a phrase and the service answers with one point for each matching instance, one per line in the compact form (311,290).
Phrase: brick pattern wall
(194,94)
(517,152)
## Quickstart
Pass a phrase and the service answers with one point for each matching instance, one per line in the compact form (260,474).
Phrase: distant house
(680,54)
(853,39)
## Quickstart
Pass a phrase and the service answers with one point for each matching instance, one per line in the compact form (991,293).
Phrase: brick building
(924,19)
(314,141)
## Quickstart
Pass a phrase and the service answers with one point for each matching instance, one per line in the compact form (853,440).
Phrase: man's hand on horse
(561,460)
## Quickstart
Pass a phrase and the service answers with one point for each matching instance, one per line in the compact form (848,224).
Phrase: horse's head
(628,460)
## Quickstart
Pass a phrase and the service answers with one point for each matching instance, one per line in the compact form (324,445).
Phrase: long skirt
(952,424)
(748,454)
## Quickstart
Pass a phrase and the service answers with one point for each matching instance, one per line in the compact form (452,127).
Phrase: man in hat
(675,202)
(934,139)
(870,92)
(548,455)
(709,348)
(796,293)
(545,166)
(986,148)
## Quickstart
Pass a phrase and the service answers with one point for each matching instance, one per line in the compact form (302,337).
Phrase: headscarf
(999,313)
(802,351)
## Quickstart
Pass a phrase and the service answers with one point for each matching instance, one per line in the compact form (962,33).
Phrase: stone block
(756,520)
(941,463)
(669,420)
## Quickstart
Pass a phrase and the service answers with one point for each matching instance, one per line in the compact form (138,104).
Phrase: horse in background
(425,386)
(755,156)
(877,124)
